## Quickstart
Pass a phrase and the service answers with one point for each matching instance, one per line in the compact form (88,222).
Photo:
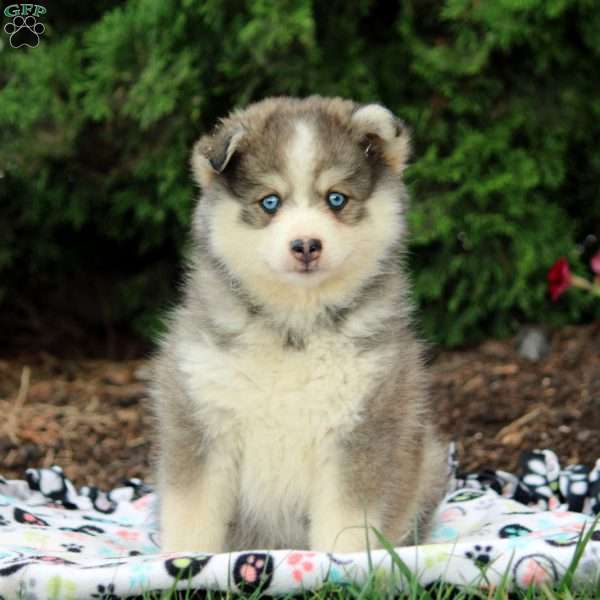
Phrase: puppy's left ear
(212,153)
(379,131)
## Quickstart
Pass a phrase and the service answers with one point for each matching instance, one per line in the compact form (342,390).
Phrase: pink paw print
(251,569)
(302,563)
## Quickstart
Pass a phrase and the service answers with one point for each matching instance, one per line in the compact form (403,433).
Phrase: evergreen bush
(502,96)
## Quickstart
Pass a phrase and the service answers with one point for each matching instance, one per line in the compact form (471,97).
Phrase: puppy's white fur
(271,419)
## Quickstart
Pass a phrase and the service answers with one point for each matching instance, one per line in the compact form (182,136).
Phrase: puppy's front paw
(192,539)
(190,526)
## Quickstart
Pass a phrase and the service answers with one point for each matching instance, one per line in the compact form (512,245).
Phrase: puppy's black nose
(306,250)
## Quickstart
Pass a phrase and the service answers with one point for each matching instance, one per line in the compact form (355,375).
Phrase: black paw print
(72,547)
(185,567)
(480,555)
(106,592)
(24,31)
(3,521)
(253,571)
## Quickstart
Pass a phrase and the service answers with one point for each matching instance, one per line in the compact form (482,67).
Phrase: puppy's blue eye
(336,200)
(270,203)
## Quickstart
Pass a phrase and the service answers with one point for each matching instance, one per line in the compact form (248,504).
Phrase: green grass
(375,590)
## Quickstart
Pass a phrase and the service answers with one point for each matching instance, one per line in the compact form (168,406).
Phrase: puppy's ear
(212,153)
(382,133)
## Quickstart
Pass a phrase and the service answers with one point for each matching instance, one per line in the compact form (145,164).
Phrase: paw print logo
(24,31)
(480,555)
(72,547)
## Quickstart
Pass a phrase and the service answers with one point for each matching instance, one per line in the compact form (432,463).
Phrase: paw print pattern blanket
(62,543)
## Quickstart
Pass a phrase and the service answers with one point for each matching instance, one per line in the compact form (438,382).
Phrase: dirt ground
(90,416)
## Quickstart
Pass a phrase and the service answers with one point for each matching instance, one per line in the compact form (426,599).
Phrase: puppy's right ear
(212,153)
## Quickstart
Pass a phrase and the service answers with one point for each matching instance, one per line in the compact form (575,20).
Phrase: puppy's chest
(260,386)
(274,410)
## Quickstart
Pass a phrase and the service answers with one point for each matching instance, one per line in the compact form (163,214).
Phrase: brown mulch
(497,405)
(90,416)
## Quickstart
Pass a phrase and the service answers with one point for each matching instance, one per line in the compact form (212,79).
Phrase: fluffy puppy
(290,393)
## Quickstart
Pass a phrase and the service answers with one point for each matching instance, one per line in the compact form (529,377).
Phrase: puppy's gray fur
(292,407)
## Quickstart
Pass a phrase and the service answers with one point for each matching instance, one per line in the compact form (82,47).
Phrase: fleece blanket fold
(62,543)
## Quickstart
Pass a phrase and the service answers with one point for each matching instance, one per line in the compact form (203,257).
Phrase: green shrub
(502,96)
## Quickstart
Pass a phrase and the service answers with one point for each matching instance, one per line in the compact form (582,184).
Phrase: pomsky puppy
(290,393)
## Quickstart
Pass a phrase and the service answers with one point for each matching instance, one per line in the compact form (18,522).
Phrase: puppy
(290,393)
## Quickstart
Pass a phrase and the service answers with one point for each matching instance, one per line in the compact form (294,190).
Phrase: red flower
(559,278)
(595,263)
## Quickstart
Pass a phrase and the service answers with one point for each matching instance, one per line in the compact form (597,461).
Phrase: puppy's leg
(337,522)
(196,505)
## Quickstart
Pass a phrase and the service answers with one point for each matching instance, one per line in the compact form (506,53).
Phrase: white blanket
(58,542)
